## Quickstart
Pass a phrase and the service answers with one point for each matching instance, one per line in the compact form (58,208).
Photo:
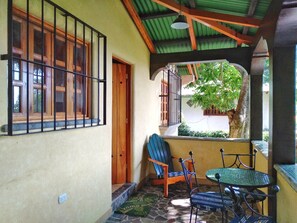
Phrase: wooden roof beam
(192,34)
(190,69)
(163,43)
(241,56)
(212,16)
(195,70)
(132,12)
(240,38)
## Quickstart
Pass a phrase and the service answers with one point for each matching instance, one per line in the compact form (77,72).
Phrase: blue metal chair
(160,156)
(243,212)
(209,201)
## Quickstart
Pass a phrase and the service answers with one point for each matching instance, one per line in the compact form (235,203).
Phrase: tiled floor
(116,187)
(175,208)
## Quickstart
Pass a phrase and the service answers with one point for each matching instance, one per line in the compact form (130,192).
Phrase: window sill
(21,127)
(289,173)
(261,146)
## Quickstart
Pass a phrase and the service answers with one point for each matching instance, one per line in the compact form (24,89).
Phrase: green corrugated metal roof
(168,40)
(159,28)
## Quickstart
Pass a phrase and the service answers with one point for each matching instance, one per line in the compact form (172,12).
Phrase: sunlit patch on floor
(181,202)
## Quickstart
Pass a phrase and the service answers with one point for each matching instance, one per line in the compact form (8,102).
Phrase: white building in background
(197,121)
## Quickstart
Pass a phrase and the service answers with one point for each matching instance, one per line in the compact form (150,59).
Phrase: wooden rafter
(195,70)
(240,38)
(213,16)
(210,19)
(192,34)
(190,69)
(202,39)
(135,17)
(191,29)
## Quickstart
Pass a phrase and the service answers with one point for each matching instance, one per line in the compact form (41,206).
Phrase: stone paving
(175,208)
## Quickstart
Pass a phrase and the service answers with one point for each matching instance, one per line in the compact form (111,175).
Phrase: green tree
(221,85)
(266,72)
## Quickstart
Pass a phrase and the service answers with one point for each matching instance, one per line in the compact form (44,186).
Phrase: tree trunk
(238,121)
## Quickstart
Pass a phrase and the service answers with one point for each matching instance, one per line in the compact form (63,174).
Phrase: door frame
(129,117)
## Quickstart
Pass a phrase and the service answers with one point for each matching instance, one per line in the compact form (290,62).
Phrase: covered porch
(207,156)
(65,175)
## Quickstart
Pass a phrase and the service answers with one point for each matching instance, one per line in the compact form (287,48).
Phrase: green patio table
(242,178)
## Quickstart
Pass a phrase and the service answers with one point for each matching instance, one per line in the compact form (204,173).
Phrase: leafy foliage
(266,72)
(265,136)
(219,84)
(184,130)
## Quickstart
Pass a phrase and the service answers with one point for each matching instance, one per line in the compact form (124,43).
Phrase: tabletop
(241,177)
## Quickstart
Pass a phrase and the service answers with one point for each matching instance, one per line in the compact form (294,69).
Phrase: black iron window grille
(57,70)
(170,98)
(213,111)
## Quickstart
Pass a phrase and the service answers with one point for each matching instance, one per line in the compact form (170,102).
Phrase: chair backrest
(236,159)
(244,211)
(189,175)
(159,150)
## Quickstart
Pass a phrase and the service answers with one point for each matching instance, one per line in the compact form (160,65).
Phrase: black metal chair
(209,201)
(243,212)
(236,160)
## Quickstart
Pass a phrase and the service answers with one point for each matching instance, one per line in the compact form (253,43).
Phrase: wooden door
(119,123)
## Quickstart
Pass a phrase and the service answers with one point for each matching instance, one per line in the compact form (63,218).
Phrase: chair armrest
(186,160)
(158,162)
(195,190)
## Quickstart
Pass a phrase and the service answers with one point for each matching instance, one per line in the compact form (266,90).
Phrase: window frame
(172,98)
(164,103)
(87,97)
(48,58)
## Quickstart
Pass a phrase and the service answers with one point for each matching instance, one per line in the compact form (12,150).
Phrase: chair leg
(165,181)
(196,215)
(165,189)
(226,217)
(191,214)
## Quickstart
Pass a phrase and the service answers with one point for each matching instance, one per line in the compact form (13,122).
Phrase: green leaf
(219,85)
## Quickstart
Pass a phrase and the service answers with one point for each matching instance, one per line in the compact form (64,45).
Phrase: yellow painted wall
(206,152)
(36,168)
(262,166)
(286,197)
(286,202)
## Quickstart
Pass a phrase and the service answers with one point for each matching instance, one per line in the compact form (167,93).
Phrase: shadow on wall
(144,165)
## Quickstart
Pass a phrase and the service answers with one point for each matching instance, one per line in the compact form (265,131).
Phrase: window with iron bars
(213,111)
(170,98)
(57,75)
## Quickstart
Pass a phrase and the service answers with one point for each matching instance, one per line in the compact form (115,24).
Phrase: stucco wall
(286,201)
(194,118)
(262,166)
(35,169)
(206,152)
